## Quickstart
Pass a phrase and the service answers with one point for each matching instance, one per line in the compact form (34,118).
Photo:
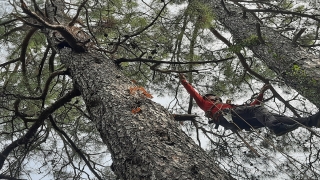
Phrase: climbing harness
(227,116)
(214,118)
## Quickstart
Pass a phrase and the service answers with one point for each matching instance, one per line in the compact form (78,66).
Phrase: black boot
(314,120)
(281,129)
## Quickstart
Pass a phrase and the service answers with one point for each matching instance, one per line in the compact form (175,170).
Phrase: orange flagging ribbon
(136,110)
(133,90)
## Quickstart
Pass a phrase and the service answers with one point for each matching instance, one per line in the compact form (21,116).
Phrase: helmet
(212,97)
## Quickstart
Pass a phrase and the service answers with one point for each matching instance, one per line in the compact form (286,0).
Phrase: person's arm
(193,93)
(259,99)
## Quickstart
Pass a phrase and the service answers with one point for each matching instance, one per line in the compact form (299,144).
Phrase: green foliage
(296,68)
(286,4)
(299,8)
(37,41)
(200,13)
(308,38)
(250,41)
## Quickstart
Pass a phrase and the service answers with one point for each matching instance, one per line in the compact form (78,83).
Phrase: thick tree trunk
(144,145)
(297,67)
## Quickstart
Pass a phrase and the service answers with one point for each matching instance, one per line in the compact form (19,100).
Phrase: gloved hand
(181,77)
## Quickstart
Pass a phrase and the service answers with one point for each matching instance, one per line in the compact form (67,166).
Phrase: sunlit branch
(7,22)
(28,22)
(37,9)
(314,45)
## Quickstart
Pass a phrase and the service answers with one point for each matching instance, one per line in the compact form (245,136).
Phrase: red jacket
(205,104)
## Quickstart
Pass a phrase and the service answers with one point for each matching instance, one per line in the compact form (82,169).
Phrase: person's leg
(310,121)
(226,124)
(258,112)
(242,119)
(266,118)
(247,123)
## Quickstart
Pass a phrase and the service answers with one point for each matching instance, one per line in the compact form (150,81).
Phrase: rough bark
(144,145)
(297,67)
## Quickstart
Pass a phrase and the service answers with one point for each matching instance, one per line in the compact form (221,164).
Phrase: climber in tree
(246,117)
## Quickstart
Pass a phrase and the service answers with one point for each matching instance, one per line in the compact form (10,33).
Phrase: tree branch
(45,89)
(298,35)
(19,28)
(126,37)
(259,33)
(257,75)
(118,61)
(72,41)
(74,19)
(74,146)
(224,6)
(24,47)
(184,117)
(33,129)
(314,17)
(9,177)
(9,62)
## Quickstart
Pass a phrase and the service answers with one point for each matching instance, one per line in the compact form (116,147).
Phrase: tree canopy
(231,48)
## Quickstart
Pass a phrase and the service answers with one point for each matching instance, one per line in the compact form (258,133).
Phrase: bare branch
(224,6)
(314,17)
(126,37)
(33,129)
(16,29)
(45,89)
(75,18)
(72,41)
(184,117)
(298,35)
(74,146)
(10,62)
(118,61)
(259,33)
